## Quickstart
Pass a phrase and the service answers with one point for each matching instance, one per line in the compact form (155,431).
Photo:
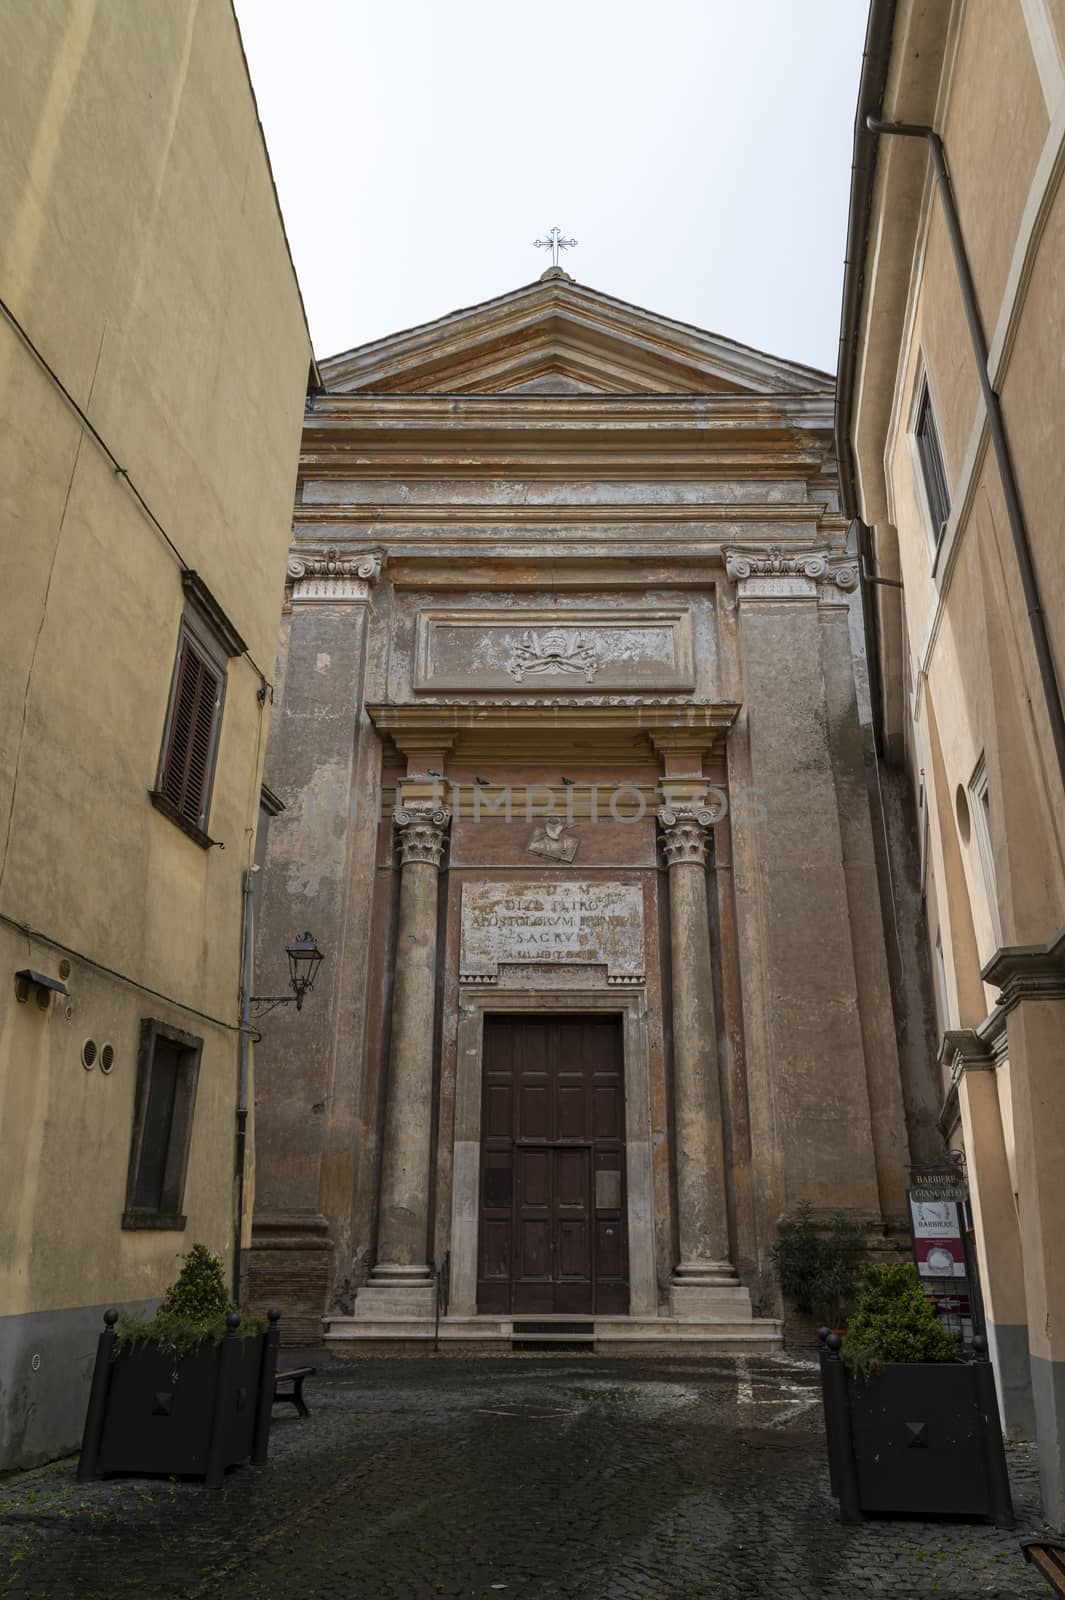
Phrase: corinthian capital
(684,830)
(421,832)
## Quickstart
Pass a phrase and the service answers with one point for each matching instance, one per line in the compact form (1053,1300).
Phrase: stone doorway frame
(631,1006)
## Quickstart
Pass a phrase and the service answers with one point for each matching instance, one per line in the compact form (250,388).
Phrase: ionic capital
(843,575)
(333,576)
(770,561)
(421,832)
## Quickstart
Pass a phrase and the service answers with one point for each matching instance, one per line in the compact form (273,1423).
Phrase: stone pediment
(559,337)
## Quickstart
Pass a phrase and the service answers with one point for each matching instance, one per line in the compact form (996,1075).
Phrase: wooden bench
(295,1377)
(1049,1559)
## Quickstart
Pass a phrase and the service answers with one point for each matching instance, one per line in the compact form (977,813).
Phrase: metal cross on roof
(554,242)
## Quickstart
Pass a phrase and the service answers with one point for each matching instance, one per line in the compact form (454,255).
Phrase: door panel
(553,1167)
(534,1186)
(572,1112)
(535,1248)
(534,1121)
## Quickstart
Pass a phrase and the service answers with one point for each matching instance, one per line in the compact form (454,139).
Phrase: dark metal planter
(922,1439)
(193,1417)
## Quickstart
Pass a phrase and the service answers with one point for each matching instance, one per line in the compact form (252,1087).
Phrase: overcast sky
(698,150)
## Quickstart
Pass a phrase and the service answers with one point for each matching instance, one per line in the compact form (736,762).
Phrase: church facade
(570,738)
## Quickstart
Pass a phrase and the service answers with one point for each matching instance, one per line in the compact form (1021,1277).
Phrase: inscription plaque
(551,924)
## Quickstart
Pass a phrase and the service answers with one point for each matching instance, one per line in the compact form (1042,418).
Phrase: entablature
(550,728)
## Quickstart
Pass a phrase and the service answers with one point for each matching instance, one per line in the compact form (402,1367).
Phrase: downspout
(243,1073)
(997,428)
(876,57)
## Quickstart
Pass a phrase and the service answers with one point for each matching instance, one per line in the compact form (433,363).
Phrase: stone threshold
(612,1334)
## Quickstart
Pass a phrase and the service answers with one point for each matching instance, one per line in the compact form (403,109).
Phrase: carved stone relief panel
(536,651)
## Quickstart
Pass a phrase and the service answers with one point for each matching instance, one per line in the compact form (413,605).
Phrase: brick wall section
(295,1280)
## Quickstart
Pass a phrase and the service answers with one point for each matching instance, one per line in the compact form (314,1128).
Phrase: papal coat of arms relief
(553,650)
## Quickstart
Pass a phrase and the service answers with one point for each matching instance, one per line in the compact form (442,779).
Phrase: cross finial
(554,242)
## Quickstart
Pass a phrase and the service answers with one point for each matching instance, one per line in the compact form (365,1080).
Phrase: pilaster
(302,1109)
(973,1060)
(1031,979)
(806,1054)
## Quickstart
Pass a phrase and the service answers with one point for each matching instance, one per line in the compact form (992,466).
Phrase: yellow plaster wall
(994,131)
(1033,403)
(145,257)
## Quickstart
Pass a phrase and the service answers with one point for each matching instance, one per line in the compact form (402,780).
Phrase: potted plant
(188,1393)
(911,1427)
(818,1268)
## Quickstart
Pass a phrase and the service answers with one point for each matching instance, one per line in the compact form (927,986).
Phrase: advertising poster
(937,1241)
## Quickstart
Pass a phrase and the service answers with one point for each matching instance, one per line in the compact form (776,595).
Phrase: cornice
(561,315)
(324,403)
(963,1049)
(564,516)
(590,724)
(1028,972)
(575,556)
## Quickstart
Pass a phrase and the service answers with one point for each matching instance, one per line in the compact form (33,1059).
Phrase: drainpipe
(997,428)
(243,1073)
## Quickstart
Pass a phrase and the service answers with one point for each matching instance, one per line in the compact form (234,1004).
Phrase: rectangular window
(980,813)
(168,1066)
(940,974)
(930,456)
(206,641)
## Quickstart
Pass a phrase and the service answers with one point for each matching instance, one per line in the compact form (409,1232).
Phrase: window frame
(978,793)
(923,402)
(169,1215)
(206,631)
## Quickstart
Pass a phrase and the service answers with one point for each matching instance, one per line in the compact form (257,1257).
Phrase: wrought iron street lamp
(304,959)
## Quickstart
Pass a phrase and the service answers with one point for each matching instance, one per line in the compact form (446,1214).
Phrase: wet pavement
(501,1477)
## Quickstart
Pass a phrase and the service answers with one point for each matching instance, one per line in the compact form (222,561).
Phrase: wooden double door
(553,1235)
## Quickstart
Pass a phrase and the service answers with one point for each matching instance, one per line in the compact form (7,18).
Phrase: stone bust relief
(553,841)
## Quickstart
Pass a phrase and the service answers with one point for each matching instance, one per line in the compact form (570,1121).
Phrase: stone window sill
(160,1221)
(161,803)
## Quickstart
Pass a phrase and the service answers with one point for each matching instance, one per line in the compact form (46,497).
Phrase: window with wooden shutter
(190,749)
(206,642)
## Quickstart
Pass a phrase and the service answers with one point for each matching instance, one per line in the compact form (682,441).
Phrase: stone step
(618,1335)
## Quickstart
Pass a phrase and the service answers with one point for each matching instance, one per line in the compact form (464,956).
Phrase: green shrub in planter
(194,1312)
(895,1321)
(911,1428)
(188,1392)
(818,1268)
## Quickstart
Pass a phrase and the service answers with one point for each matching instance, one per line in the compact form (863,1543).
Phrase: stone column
(401,1283)
(704,1280)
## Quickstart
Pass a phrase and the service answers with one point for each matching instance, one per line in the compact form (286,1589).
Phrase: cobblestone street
(529,1476)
